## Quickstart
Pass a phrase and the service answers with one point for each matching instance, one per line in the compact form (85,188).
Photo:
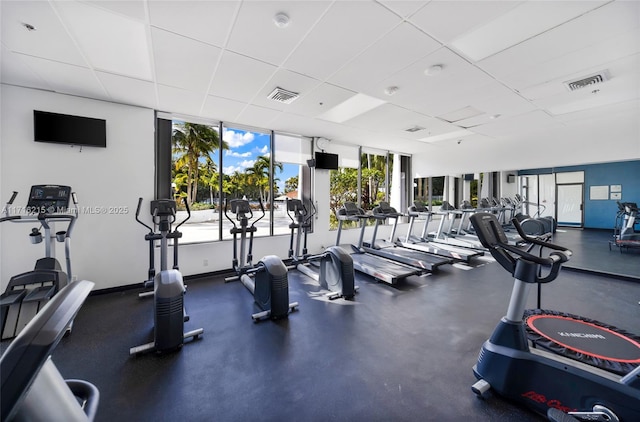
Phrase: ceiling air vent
(414,129)
(281,95)
(596,78)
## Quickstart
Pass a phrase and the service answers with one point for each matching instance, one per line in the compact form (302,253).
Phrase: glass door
(570,204)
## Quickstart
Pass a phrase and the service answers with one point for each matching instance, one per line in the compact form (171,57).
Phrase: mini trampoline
(583,339)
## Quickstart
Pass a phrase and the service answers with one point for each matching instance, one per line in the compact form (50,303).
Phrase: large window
(212,163)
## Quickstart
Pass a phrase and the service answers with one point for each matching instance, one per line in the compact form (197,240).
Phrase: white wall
(109,248)
(106,247)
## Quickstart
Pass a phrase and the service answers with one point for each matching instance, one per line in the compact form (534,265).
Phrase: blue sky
(244,149)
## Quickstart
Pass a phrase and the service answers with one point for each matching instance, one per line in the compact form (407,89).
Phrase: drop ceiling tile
(239,77)
(180,101)
(435,95)
(50,40)
(129,90)
(66,78)
(446,20)
(518,24)
(344,31)
(528,123)
(131,8)
(259,117)
(15,72)
(404,8)
(393,119)
(183,62)
(255,34)
(110,41)
(206,21)
(291,81)
(319,100)
(222,109)
(604,34)
(401,47)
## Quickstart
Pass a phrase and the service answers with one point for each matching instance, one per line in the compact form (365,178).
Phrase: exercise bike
(267,280)
(168,287)
(597,376)
(335,272)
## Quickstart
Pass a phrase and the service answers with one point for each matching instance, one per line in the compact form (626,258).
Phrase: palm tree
(259,176)
(191,142)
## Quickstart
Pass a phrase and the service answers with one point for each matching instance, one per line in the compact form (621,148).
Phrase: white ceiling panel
(536,121)
(131,8)
(384,58)
(344,31)
(446,20)
(222,108)
(255,33)
(441,93)
(66,78)
(612,30)
(206,21)
(183,62)
(404,8)
(111,42)
(291,81)
(128,90)
(240,77)
(15,72)
(176,100)
(258,116)
(391,118)
(50,39)
(219,60)
(622,73)
(576,64)
(320,99)
(520,23)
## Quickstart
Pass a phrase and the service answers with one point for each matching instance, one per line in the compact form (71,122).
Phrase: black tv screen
(324,160)
(66,129)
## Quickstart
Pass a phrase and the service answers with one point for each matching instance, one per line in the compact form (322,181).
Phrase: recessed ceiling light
(281,20)
(29,26)
(391,90)
(433,70)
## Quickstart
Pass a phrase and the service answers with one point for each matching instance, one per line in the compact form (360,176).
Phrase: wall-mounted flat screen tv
(66,129)
(324,160)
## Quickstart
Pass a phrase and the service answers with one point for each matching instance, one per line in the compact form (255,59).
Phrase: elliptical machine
(28,292)
(267,280)
(168,287)
(582,367)
(335,272)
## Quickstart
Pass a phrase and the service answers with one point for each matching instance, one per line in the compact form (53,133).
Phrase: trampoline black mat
(583,339)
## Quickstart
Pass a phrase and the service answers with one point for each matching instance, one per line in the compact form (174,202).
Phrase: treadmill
(426,262)
(381,269)
(422,243)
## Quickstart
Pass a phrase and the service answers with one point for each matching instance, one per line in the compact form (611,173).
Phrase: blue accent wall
(601,214)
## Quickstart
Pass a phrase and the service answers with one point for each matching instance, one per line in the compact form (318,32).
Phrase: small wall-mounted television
(324,160)
(470,177)
(67,129)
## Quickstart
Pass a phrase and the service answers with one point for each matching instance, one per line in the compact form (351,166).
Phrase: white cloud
(232,169)
(237,154)
(237,139)
(247,163)
(264,149)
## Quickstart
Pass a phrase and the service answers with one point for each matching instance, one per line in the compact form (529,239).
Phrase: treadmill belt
(583,339)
